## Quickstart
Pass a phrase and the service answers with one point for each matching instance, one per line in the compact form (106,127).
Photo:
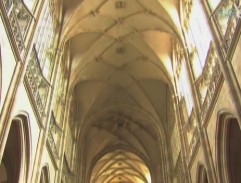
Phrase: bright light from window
(213,3)
(148,177)
(29,4)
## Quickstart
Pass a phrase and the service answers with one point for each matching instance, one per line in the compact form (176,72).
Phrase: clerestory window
(44,44)
(30,4)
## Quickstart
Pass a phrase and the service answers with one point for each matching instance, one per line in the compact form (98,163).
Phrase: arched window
(16,158)
(199,38)
(228,148)
(44,177)
(201,174)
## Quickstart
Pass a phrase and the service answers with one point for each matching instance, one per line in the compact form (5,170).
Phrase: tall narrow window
(199,38)
(185,87)
(196,64)
(44,44)
(199,32)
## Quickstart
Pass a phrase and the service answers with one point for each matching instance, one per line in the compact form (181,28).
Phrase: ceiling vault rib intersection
(122,79)
(144,94)
(139,174)
(120,138)
(94,61)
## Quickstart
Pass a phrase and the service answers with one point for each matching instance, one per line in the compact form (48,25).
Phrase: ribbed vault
(122,83)
(120,166)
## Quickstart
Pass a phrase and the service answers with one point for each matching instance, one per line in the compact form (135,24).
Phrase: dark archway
(16,157)
(44,177)
(201,174)
(3,173)
(228,149)
(12,156)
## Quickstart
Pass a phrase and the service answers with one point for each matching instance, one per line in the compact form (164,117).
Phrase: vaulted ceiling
(121,76)
(120,166)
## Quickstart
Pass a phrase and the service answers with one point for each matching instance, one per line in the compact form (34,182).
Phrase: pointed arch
(228,143)
(201,174)
(44,177)
(119,164)
(17,153)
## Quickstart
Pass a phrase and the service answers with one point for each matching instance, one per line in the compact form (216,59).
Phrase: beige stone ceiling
(121,74)
(120,167)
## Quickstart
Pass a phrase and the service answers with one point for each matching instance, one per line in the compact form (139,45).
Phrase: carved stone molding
(228,37)
(188,4)
(35,82)
(54,138)
(179,170)
(19,19)
(193,146)
(207,83)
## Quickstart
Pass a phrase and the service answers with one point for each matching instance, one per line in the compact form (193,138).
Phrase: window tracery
(44,44)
